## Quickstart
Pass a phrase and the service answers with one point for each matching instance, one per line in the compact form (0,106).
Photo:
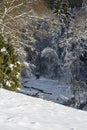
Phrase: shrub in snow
(10,66)
(49,62)
(26,70)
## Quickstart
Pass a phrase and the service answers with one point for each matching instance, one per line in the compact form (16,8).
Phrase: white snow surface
(51,89)
(21,112)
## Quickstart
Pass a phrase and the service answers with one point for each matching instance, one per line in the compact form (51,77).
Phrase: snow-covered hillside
(22,112)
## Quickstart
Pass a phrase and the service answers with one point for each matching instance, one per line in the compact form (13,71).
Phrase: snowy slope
(22,112)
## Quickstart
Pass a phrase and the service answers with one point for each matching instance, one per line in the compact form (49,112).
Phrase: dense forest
(50,40)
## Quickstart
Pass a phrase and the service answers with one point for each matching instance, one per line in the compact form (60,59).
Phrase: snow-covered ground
(21,112)
(47,89)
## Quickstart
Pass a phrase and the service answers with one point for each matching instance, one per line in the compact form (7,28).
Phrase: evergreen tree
(10,66)
(62,11)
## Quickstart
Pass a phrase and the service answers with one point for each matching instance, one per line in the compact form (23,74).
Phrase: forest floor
(47,89)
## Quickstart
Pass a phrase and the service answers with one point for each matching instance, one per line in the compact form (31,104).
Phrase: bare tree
(12,14)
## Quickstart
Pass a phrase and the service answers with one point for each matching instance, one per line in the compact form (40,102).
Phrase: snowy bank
(18,111)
